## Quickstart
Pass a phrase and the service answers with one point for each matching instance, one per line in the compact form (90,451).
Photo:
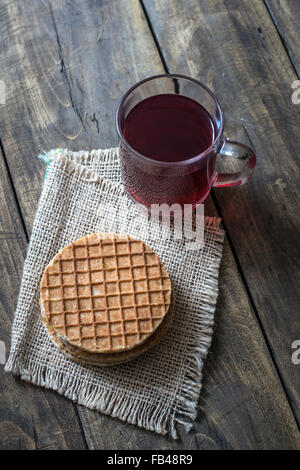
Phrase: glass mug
(187,181)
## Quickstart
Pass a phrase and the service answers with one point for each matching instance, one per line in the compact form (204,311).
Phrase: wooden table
(65,65)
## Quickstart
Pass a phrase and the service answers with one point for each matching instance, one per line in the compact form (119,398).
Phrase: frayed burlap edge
(154,417)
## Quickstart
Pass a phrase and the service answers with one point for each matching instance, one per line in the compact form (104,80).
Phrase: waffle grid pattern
(106,294)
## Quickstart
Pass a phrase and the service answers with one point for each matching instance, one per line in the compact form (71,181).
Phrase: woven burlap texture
(161,388)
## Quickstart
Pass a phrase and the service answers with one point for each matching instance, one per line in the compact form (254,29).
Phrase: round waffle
(109,359)
(104,293)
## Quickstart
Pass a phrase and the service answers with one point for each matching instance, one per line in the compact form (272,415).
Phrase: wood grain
(234,48)
(242,405)
(66,67)
(30,417)
(286,17)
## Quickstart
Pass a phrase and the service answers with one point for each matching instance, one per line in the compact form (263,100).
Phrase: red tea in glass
(170,129)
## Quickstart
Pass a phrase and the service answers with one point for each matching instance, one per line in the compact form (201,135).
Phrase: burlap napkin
(161,388)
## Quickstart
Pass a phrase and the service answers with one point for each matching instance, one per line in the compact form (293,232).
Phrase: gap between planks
(281,37)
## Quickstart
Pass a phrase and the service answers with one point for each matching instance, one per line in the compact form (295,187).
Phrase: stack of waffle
(105,299)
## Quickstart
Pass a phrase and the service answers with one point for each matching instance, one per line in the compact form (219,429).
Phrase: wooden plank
(234,48)
(286,17)
(70,64)
(60,58)
(30,417)
(241,404)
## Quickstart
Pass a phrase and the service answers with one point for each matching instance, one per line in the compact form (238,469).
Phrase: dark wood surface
(285,15)
(65,65)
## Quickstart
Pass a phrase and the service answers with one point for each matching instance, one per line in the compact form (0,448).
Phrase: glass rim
(162,163)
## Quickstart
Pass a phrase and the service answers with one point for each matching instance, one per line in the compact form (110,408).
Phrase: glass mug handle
(231,148)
